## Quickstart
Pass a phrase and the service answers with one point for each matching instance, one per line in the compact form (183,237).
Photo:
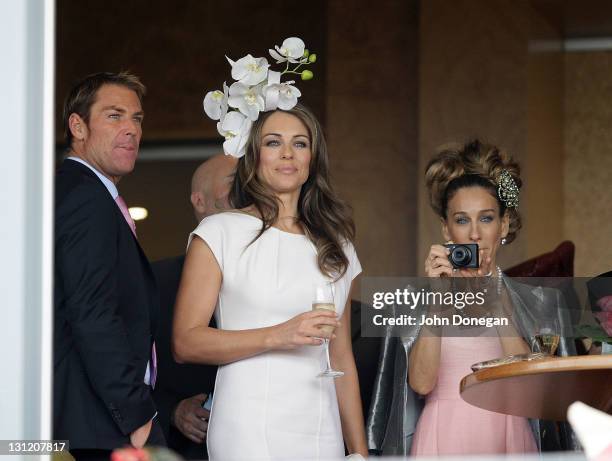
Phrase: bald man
(181,389)
(210,185)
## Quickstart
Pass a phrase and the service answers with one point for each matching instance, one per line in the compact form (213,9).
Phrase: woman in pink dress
(474,190)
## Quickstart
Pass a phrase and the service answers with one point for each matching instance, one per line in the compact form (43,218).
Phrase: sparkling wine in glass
(323,299)
(548,336)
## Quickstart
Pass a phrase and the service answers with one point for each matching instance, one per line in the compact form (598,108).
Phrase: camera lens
(460,256)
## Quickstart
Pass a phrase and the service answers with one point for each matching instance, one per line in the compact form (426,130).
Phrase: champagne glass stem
(326,341)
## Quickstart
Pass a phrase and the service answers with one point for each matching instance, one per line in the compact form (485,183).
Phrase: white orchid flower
(271,91)
(256,89)
(215,103)
(288,96)
(283,96)
(247,99)
(249,70)
(235,128)
(291,50)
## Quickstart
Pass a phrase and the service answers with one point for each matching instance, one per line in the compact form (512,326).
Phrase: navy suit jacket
(105,313)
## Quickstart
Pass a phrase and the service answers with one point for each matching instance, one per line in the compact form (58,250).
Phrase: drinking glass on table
(323,299)
(548,335)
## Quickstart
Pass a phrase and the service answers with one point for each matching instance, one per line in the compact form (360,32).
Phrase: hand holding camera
(457,260)
(463,256)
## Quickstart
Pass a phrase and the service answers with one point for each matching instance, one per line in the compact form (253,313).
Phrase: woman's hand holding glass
(306,329)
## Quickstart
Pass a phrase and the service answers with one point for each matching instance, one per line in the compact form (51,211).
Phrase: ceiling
(577,18)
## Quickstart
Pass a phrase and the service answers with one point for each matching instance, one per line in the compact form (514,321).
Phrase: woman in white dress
(254,267)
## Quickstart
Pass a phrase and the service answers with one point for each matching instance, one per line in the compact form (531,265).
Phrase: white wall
(26,201)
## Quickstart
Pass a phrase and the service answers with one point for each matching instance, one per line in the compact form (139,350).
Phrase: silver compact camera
(463,256)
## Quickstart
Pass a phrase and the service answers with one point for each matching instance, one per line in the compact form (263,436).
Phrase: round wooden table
(542,388)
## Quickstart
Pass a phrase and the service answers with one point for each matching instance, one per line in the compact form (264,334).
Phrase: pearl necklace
(500,280)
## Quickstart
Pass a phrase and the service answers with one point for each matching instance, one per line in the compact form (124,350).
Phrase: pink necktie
(126,214)
(153,365)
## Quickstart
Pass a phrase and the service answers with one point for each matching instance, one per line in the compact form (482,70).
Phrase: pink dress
(450,426)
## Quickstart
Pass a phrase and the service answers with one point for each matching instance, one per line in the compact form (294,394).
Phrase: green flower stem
(293,71)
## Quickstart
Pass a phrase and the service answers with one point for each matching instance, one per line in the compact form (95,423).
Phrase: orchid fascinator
(256,88)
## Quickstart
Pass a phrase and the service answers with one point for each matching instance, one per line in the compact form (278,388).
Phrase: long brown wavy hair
(327,221)
(473,164)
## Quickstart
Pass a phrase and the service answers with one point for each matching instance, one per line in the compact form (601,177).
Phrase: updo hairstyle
(474,164)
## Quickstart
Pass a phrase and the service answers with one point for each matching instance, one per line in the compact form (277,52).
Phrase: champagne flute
(547,336)
(323,299)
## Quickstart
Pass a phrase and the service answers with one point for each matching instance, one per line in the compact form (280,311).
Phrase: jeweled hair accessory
(256,89)
(507,190)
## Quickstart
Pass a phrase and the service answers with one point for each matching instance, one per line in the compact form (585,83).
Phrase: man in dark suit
(105,295)
(181,389)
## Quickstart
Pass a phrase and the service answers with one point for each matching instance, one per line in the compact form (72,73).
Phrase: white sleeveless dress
(271,406)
